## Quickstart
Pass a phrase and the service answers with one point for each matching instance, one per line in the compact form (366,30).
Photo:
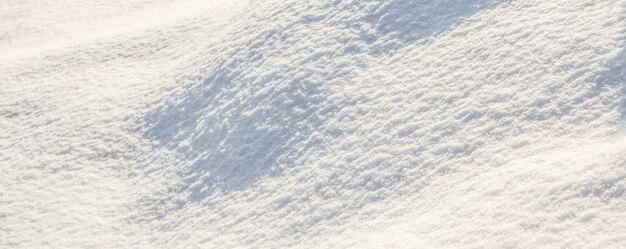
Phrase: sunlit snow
(313,124)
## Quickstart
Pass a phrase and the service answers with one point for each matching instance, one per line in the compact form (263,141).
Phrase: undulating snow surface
(313,124)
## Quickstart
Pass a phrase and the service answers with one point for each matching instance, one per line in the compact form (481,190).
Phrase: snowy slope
(313,124)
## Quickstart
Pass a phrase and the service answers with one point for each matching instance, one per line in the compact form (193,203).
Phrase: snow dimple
(235,129)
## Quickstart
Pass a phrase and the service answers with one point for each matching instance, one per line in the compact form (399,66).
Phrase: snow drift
(350,124)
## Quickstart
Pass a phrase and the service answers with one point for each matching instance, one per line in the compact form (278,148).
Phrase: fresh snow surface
(313,124)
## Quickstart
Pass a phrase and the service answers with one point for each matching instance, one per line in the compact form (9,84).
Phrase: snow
(324,124)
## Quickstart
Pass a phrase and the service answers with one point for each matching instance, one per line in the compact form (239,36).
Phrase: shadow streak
(615,78)
(407,21)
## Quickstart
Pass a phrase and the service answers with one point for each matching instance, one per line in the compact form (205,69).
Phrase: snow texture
(313,124)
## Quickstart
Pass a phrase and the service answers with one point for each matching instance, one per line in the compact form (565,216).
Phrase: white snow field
(312,124)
